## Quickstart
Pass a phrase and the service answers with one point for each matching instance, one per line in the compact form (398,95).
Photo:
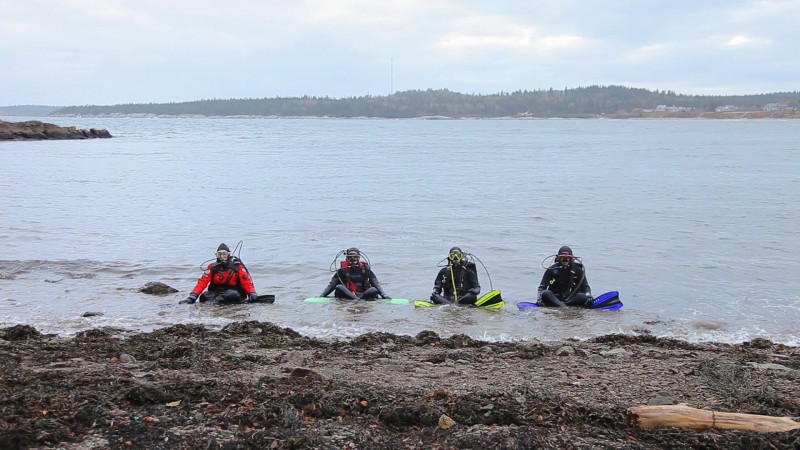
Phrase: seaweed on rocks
(256,385)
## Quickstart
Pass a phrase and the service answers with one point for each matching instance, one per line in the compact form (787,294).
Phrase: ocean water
(694,222)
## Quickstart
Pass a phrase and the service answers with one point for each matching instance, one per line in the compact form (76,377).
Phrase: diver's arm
(373,280)
(331,286)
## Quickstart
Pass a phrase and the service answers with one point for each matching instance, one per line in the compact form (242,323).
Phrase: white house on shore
(673,108)
(777,107)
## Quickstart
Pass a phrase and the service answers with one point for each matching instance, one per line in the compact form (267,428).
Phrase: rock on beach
(257,385)
(34,130)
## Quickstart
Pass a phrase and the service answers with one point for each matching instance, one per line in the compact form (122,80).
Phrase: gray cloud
(119,51)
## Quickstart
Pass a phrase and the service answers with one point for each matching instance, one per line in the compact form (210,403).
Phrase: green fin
(497,305)
(395,301)
(490,300)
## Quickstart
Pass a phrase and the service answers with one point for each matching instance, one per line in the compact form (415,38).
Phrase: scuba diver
(457,282)
(564,282)
(227,280)
(354,280)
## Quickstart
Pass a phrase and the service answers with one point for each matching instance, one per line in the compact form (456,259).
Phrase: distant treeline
(579,102)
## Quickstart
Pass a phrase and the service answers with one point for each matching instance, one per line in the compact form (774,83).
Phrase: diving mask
(564,259)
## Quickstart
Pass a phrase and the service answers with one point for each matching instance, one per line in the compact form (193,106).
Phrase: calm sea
(693,221)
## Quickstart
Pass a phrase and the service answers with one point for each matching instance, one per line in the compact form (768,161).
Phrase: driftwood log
(685,417)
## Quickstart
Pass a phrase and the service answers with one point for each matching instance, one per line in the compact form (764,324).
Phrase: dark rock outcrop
(36,130)
(157,288)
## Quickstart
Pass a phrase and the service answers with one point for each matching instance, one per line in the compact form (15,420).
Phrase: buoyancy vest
(354,276)
(465,276)
(228,278)
(218,279)
(565,280)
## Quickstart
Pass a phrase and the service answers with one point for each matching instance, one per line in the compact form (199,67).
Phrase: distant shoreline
(748,115)
(584,102)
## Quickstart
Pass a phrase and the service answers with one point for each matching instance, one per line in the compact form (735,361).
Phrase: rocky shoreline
(35,130)
(255,385)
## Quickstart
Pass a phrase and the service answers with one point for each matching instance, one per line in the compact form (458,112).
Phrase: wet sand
(255,385)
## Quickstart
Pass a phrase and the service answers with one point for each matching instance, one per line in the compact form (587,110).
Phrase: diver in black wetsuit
(354,280)
(564,282)
(457,282)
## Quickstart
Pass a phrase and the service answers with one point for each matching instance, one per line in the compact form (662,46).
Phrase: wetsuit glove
(190,299)
(253,297)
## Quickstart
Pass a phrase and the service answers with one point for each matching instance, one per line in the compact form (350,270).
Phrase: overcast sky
(78,52)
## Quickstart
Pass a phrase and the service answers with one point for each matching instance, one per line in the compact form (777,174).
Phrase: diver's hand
(189,300)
